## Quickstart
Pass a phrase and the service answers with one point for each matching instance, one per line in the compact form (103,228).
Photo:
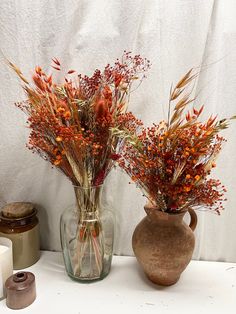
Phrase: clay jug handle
(193,221)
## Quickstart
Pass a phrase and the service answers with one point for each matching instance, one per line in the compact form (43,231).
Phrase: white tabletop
(204,287)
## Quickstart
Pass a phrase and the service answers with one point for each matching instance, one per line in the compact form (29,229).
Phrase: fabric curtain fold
(86,34)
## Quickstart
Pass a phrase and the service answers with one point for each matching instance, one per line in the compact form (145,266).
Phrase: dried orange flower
(71,122)
(171,161)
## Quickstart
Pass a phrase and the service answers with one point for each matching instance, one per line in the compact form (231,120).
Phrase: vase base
(163,281)
(86,280)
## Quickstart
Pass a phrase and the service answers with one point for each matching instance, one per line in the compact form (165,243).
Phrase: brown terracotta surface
(20,290)
(163,244)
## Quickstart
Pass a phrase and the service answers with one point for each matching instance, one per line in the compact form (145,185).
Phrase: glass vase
(87,234)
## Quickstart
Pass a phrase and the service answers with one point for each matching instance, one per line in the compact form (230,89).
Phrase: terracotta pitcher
(163,244)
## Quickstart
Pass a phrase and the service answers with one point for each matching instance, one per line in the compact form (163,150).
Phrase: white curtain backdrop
(86,34)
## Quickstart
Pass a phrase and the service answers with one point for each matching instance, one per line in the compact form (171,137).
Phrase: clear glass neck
(88,199)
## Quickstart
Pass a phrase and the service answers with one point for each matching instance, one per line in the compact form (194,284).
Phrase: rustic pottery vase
(163,244)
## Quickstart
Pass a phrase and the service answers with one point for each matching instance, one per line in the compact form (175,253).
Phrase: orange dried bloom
(57,162)
(187,188)
(67,115)
(162,157)
(61,109)
(71,123)
(197,177)
(38,70)
(58,138)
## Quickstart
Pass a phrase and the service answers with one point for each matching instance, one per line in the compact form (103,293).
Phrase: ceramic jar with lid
(19,223)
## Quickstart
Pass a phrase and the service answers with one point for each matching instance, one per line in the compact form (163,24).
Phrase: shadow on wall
(43,227)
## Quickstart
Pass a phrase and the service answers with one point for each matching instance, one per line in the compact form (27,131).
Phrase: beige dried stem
(14,68)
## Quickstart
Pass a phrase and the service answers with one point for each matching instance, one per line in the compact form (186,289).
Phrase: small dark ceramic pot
(20,290)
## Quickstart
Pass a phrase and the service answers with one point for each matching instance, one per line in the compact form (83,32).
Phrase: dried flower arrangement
(70,123)
(171,161)
(71,127)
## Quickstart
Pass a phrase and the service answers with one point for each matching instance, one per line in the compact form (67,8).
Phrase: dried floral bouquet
(171,161)
(70,126)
